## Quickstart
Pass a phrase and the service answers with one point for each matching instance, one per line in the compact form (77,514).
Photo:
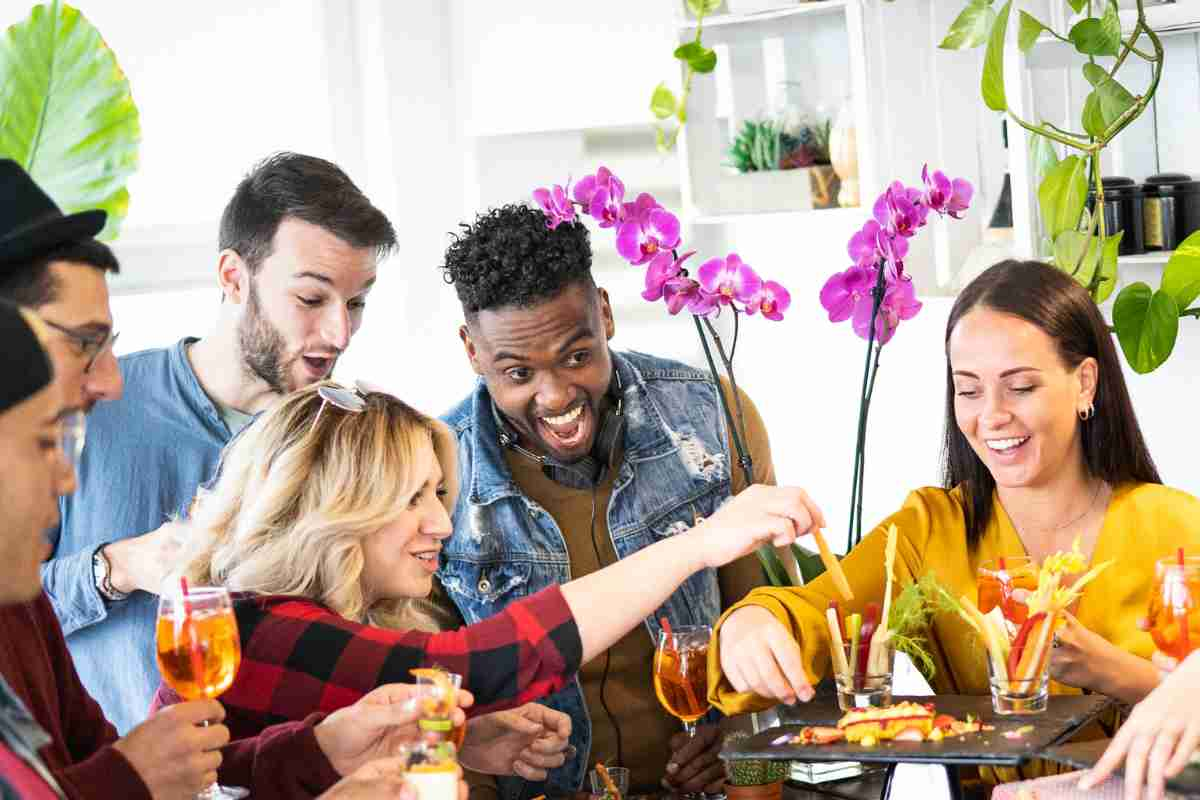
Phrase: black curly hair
(510,258)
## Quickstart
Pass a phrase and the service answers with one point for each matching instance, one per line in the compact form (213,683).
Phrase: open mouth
(320,366)
(566,431)
(1006,446)
(428,559)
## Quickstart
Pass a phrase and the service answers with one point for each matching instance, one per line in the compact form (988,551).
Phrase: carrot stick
(832,566)
(608,781)
(1031,659)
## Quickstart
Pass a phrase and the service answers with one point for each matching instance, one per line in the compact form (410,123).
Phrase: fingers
(1160,752)
(1135,766)
(694,772)
(196,711)
(1164,662)
(212,737)
(527,771)
(691,749)
(787,656)
(465,699)
(713,773)
(1188,744)
(1112,758)
(794,503)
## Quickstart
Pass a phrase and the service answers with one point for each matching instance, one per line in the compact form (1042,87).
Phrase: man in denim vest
(572,456)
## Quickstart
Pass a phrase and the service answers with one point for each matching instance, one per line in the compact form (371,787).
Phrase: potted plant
(754,779)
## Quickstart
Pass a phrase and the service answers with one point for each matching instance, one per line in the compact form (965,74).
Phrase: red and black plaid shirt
(299,657)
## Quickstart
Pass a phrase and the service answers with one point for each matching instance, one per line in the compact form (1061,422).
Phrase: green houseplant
(1145,320)
(753,779)
(67,115)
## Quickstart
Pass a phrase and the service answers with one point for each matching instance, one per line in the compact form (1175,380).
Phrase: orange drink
(681,672)
(1005,583)
(1174,614)
(207,641)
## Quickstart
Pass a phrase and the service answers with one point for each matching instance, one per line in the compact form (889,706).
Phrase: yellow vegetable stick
(875,656)
(832,566)
(837,647)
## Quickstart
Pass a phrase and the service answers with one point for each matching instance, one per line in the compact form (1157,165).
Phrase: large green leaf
(1147,323)
(1106,281)
(1078,255)
(1077,5)
(1181,278)
(1062,196)
(1042,157)
(971,27)
(992,85)
(1031,28)
(662,102)
(1098,37)
(66,112)
(1106,103)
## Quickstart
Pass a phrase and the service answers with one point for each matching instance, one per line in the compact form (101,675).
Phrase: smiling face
(548,367)
(302,305)
(1015,400)
(400,559)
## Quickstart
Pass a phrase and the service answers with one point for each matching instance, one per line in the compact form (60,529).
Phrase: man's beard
(262,346)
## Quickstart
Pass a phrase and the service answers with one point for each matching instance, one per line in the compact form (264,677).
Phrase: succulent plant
(756,147)
(751,771)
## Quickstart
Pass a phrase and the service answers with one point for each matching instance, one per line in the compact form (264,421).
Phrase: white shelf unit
(1046,84)
(811,55)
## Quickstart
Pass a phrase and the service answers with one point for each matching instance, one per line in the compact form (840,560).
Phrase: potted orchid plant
(648,236)
(876,294)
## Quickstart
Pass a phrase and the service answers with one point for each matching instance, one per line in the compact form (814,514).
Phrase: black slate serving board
(1084,755)
(1064,716)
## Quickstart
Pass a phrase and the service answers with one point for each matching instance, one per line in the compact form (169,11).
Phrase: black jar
(1122,212)
(1171,209)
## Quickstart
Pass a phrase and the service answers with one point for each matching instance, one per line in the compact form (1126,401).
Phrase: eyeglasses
(74,432)
(90,347)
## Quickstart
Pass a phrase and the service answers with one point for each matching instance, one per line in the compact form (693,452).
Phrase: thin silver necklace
(1056,528)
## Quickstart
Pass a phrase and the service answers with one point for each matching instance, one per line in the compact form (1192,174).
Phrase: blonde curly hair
(300,490)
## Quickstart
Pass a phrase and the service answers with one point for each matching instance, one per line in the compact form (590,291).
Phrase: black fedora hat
(31,225)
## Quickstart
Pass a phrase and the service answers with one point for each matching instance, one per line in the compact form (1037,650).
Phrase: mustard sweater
(1143,523)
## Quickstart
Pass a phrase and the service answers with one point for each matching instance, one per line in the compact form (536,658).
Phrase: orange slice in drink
(446,700)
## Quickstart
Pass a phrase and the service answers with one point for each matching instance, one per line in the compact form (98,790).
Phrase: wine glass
(1174,615)
(199,652)
(681,673)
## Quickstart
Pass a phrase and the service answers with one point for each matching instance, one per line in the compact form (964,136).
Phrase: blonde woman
(327,519)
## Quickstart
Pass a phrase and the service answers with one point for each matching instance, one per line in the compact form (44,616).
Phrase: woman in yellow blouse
(1042,445)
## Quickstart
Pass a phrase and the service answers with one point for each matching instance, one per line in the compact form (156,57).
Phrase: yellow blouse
(1143,523)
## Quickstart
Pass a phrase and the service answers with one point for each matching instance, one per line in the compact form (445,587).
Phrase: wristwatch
(102,575)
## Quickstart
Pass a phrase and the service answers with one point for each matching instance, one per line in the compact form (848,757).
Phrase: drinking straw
(193,642)
(1181,614)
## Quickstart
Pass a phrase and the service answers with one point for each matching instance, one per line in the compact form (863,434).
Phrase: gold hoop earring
(1087,413)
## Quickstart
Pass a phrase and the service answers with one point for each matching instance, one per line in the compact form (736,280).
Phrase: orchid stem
(854,534)
(727,360)
(773,568)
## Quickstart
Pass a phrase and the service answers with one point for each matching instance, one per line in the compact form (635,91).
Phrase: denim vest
(674,470)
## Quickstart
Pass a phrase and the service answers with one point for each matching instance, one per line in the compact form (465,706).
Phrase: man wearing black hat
(54,739)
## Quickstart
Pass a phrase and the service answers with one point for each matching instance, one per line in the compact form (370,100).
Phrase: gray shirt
(146,454)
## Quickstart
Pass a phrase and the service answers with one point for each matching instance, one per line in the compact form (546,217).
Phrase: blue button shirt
(146,454)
